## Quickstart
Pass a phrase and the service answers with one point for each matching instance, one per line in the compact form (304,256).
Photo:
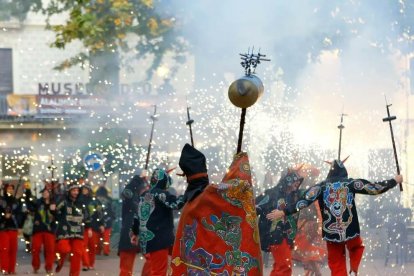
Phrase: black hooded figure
(286,192)
(154,222)
(130,199)
(277,236)
(193,164)
(340,226)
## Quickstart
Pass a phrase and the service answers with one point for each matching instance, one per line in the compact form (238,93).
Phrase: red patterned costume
(217,233)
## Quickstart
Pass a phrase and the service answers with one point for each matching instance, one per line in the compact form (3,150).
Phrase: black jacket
(44,218)
(130,200)
(336,197)
(274,232)
(93,212)
(70,216)
(107,209)
(154,222)
(10,205)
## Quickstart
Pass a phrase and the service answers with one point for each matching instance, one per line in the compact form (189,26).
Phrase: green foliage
(103,25)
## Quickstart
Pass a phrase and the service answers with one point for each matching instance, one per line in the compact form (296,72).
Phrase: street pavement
(108,266)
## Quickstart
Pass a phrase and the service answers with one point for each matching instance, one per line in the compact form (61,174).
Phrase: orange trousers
(282,257)
(157,262)
(90,244)
(8,251)
(337,255)
(104,242)
(126,264)
(46,239)
(74,247)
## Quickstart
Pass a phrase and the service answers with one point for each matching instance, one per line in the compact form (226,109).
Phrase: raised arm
(362,186)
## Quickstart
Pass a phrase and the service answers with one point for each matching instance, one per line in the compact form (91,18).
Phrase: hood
(192,162)
(287,180)
(337,170)
(160,180)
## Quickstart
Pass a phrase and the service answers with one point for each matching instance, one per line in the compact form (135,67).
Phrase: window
(6,71)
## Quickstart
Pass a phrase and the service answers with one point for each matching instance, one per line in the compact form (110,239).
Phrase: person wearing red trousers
(108,218)
(153,226)
(336,198)
(277,236)
(10,220)
(128,251)
(44,227)
(70,216)
(94,226)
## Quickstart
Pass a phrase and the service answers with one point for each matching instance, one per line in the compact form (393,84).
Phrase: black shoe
(59,267)
(85,269)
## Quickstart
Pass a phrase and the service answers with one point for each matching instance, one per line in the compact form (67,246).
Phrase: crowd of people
(222,230)
(66,221)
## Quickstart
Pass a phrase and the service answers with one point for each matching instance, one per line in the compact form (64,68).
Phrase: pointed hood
(337,170)
(239,169)
(193,164)
(192,161)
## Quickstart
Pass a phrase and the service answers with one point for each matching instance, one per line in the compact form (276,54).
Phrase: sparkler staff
(389,119)
(245,91)
(18,185)
(52,169)
(153,118)
(341,127)
(189,123)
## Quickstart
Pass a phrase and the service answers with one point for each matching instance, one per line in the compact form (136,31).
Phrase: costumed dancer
(44,227)
(217,233)
(108,218)
(153,227)
(336,198)
(94,225)
(70,216)
(11,217)
(126,250)
(277,236)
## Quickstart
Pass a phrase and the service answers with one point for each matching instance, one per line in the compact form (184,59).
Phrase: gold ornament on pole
(245,91)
